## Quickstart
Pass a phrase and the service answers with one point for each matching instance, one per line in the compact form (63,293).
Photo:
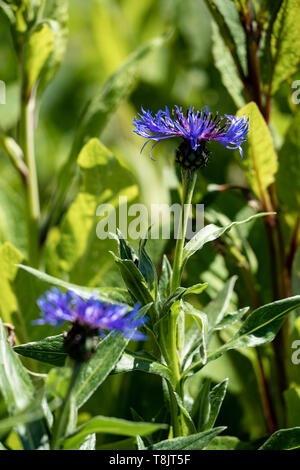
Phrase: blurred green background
(102,33)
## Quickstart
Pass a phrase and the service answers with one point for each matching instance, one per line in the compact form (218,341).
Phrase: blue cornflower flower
(92,314)
(195,128)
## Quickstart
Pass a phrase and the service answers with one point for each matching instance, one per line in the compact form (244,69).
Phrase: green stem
(169,343)
(189,178)
(60,425)
(32,194)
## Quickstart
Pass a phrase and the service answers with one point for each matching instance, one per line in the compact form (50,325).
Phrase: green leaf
(56,390)
(198,338)
(285,43)
(284,439)
(101,107)
(81,250)
(180,293)
(227,18)
(126,251)
(261,326)
(49,350)
(201,405)
(260,164)
(226,66)
(292,402)
(114,90)
(212,232)
(9,257)
(95,371)
(216,397)
(289,164)
(89,443)
(109,294)
(105,425)
(12,223)
(136,284)
(36,52)
(165,278)
(193,442)
(218,307)
(56,17)
(18,394)
(228,443)
(8,12)
(232,318)
(147,268)
(136,362)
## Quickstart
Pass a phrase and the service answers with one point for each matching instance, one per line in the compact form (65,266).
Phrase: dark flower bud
(190,159)
(80,342)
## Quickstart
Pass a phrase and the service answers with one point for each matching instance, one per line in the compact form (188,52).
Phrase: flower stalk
(61,423)
(26,140)
(189,178)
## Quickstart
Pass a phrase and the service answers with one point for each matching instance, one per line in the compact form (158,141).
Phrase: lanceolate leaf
(211,232)
(284,439)
(49,350)
(193,442)
(226,66)
(36,52)
(138,363)
(260,163)
(56,14)
(109,294)
(217,308)
(89,443)
(289,162)
(136,284)
(216,397)
(105,425)
(285,43)
(259,328)
(227,19)
(95,371)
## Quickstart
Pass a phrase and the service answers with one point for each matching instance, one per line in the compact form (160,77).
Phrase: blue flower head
(196,129)
(88,317)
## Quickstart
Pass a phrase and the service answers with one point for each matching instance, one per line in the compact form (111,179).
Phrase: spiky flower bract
(196,129)
(88,318)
